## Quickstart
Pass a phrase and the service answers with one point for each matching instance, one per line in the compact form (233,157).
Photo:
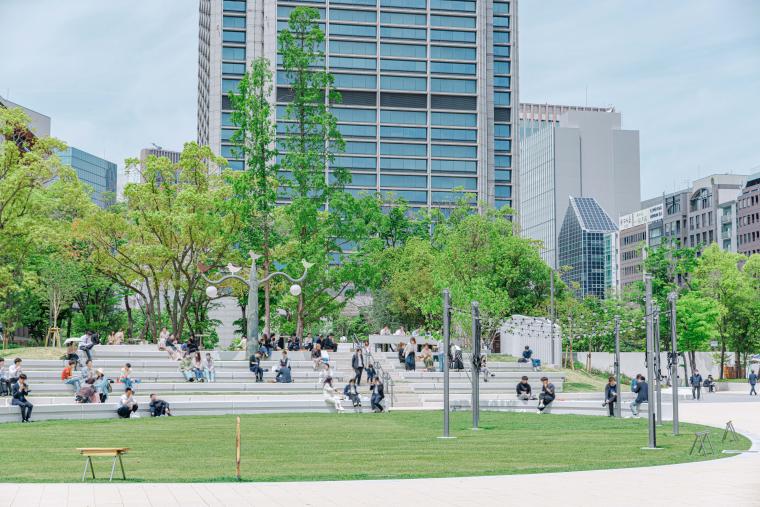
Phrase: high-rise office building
(578,153)
(588,245)
(159,152)
(637,230)
(748,217)
(427,89)
(94,171)
(536,116)
(39,124)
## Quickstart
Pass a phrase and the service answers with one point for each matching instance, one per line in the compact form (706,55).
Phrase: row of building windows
(696,223)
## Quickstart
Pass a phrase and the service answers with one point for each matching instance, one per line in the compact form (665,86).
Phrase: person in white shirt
(209,370)
(332,397)
(385,331)
(15,371)
(127,404)
(5,385)
(400,331)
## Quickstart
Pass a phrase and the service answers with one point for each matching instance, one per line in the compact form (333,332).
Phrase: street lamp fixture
(253,282)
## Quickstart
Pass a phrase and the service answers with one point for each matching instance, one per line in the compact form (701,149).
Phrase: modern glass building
(588,247)
(427,86)
(94,171)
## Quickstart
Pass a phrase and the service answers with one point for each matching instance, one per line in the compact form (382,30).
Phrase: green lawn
(31,353)
(284,447)
(581,381)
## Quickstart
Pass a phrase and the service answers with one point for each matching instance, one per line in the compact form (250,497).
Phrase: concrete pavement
(731,481)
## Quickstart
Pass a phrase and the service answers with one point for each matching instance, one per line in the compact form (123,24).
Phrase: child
(371,373)
(352,393)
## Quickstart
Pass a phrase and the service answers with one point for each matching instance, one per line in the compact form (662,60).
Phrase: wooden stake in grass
(237,448)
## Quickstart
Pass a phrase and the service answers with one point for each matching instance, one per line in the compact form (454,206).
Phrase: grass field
(581,381)
(285,447)
(31,353)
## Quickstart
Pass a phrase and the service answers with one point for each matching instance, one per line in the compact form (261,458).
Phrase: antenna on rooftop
(156,146)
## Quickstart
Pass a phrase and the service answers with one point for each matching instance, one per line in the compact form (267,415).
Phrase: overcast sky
(117,76)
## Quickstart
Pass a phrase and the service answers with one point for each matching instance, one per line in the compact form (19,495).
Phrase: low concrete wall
(632,363)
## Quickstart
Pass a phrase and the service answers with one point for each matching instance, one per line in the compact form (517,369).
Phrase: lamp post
(650,363)
(253,283)
(672,298)
(618,407)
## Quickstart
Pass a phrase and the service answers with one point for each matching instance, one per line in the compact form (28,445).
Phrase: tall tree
(717,276)
(310,141)
(697,319)
(256,187)
(153,243)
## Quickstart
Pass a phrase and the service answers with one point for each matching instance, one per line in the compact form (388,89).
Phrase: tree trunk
(722,357)
(693,361)
(267,292)
(130,319)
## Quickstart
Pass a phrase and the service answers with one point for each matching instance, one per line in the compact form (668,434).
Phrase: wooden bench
(111,452)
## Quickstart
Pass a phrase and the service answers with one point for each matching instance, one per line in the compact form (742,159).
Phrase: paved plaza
(732,481)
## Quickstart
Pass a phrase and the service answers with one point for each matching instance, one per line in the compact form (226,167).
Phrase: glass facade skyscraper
(427,89)
(98,173)
(588,246)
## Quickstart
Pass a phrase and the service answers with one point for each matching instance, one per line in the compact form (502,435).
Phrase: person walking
(696,385)
(19,392)
(378,395)
(357,363)
(752,382)
(642,394)
(610,395)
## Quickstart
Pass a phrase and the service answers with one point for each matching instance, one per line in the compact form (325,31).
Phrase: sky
(118,76)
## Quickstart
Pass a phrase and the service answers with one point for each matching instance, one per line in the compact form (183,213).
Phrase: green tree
(153,243)
(310,141)
(697,319)
(60,281)
(717,276)
(256,187)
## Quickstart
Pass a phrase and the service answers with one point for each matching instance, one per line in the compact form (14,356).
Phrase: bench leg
(113,467)
(84,472)
(121,463)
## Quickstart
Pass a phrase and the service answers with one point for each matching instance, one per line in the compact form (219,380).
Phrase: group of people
(351,393)
(90,384)
(13,382)
(545,397)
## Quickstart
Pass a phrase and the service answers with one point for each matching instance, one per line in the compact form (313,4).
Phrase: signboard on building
(640,217)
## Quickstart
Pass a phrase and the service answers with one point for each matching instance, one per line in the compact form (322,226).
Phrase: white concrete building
(581,154)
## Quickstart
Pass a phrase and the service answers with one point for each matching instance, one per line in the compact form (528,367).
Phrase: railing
(384,375)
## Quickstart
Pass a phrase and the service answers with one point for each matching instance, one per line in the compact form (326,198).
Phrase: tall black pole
(650,364)
(552,311)
(446,358)
(475,365)
(618,405)
(673,297)
(657,365)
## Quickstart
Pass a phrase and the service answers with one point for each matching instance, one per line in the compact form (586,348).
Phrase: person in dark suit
(378,395)
(357,363)
(254,364)
(610,395)
(352,393)
(19,392)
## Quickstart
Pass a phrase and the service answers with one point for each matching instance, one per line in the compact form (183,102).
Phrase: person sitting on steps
(523,389)
(127,405)
(352,393)
(254,365)
(547,395)
(641,388)
(158,407)
(378,395)
(526,355)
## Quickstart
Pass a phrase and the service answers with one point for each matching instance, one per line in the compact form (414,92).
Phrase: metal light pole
(253,283)
(446,358)
(673,297)
(475,365)
(552,310)
(618,405)
(650,364)
(657,365)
